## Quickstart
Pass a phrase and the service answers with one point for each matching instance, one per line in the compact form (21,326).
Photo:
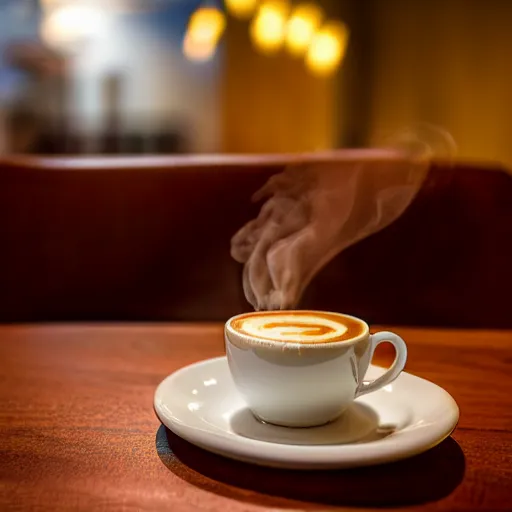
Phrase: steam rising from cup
(318,207)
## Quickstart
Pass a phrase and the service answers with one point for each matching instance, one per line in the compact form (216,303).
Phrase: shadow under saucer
(424,478)
(359,423)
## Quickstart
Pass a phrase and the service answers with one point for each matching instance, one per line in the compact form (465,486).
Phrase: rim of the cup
(254,341)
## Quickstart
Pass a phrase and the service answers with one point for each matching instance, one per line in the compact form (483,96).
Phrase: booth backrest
(148,240)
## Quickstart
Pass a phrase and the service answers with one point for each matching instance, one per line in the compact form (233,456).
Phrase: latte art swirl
(298,326)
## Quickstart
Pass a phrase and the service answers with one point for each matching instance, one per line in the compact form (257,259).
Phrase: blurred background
(149,238)
(248,76)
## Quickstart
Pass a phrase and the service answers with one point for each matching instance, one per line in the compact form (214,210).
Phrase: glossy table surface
(78,430)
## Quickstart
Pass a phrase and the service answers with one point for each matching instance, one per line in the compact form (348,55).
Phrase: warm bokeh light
(197,50)
(207,25)
(205,28)
(241,8)
(69,24)
(301,28)
(269,25)
(327,48)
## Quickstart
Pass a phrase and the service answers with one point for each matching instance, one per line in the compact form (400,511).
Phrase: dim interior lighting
(327,48)
(301,28)
(69,23)
(241,8)
(205,28)
(269,24)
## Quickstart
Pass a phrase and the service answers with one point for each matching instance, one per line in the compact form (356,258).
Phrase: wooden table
(78,430)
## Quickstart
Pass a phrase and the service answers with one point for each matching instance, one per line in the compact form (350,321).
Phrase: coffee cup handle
(394,370)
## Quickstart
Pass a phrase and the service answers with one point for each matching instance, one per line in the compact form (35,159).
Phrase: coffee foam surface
(298,327)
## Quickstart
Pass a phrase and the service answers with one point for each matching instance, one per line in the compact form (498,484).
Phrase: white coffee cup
(302,384)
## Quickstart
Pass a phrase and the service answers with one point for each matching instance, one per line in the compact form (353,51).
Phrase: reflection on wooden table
(79,431)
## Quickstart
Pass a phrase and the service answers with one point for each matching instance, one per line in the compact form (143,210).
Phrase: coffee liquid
(306,327)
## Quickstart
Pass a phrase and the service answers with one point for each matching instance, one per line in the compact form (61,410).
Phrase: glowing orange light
(205,28)
(207,24)
(198,51)
(301,28)
(268,28)
(241,8)
(327,48)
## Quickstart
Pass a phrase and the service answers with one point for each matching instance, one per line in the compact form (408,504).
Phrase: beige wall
(447,63)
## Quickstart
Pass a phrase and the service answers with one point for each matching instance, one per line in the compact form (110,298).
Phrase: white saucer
(200,404)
